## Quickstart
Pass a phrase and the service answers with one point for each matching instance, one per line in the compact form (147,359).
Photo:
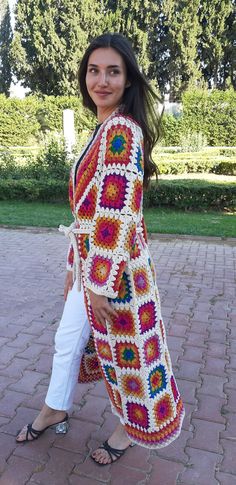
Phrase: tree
(133,19)
(49,40)
(217,20)
(174,46)
(5,43)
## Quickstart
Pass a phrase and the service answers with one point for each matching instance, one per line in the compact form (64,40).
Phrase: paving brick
(137,457)
(99,389)
(232,362)
(230,407)
(194,354)
(21,342)
(7,446)
(230,431)
(187,423)
(214,366)
(175,343)
(188,370)
(83,389)
(57,469)
(187,390)
(77,437)
(28,382)
(76,480)
(37,400)
(90,412)
(5,381)
(216,349)
(218,336)
(36,327)
(210,408)
(10,331)
(22,417)
(213,385)
(206,436)
(199,327)
(105,431)
(43,364)
(201,468)
(177,330)
(15,368)
(231,375)
(89,469)
(33,352)
(10,402)
(180,319)
(228,464)
(18,471)
(7,354)
(121,474)
(225,478)
(176,450)
(195,339)
(47,337)
(164,471)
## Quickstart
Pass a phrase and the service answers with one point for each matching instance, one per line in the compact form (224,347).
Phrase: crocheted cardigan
(131,354)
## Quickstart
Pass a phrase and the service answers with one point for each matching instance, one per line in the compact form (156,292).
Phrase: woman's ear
(127,84)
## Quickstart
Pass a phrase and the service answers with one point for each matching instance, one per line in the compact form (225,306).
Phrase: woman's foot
(118,440)
(47,417)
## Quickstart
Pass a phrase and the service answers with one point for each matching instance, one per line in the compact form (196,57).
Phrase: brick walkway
(196,282)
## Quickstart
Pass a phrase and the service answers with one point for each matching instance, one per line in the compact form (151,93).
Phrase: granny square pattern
(113,192)
(129,352)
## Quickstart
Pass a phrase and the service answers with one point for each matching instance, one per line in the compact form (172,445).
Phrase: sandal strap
(34,433)
(112,451)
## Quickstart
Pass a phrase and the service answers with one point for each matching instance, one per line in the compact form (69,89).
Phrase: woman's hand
(101,308)
(68,283)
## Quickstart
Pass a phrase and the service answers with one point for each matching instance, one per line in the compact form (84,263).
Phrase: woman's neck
(104,113)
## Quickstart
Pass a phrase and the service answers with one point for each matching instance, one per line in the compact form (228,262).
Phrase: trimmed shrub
(171,130)
(191,195)
(31,190)
(211,112)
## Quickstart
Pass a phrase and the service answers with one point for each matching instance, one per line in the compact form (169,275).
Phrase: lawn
(158,220)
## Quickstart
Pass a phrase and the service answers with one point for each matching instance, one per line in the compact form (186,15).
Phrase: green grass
(159,220)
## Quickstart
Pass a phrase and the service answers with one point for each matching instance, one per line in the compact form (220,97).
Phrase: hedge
(191,195)
(184,195)
(212,113)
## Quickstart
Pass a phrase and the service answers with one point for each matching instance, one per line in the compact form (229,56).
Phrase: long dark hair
(139,100)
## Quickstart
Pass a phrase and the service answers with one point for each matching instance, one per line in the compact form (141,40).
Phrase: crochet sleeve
(118,206)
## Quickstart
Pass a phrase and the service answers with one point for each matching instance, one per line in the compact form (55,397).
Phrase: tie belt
(70,232)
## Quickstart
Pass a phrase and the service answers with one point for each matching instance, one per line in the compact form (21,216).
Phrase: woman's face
(106,80)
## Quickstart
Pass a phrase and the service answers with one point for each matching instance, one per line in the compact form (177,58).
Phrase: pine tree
(5,43)
(216,18)
(49,40)
(134,20)
(174,46)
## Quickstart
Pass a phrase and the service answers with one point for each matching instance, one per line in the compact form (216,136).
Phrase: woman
(109,256)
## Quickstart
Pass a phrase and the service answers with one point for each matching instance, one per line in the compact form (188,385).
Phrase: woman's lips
(102,93)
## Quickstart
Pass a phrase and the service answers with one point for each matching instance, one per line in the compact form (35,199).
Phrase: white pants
(70,340)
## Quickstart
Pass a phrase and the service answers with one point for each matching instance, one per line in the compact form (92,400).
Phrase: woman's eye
(114,71)
(92,69)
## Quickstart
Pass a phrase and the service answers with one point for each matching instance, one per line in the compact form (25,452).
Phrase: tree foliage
(49,40)
(178,43)
(5,43)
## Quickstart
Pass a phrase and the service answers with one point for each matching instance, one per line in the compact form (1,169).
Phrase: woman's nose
(102,79)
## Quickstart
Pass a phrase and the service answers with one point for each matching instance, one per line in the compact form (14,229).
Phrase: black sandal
(61,428)
(112,452)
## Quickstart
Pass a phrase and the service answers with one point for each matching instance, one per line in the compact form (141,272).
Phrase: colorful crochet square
(137,196)
(139,160)
(147,316)
(113,192)
(85,172)
(84,245)
(123,324)
(119,274)
(163,410)
(157,380)
(152,350)
(131,242)
(104,350)
(88,206)
(118,146)
(106,232)
(141,283)
(110,374)
(124,292)
(127,355)
(100,270)
(138,414)
(133,386)
(174,388)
